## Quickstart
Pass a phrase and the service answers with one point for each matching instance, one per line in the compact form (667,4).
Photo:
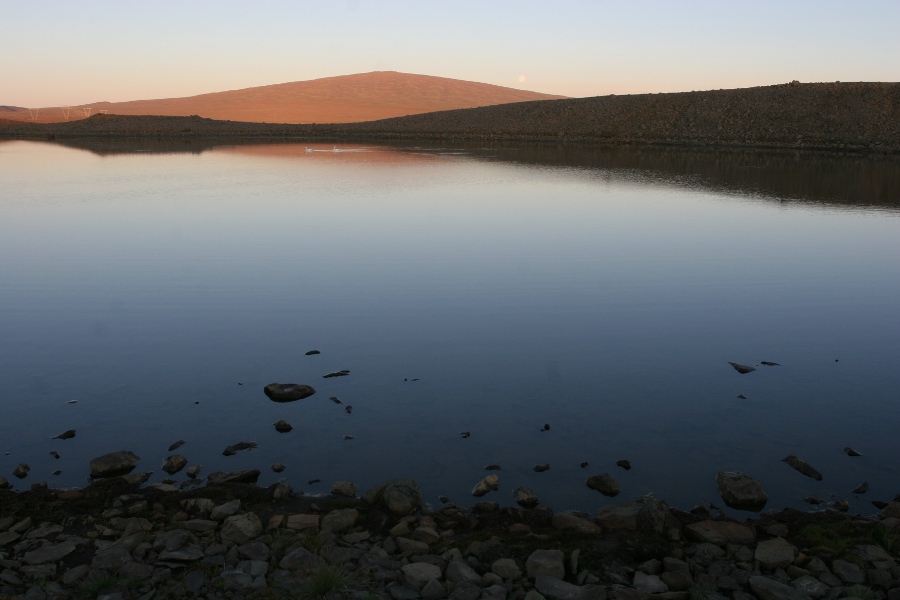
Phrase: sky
(68,53)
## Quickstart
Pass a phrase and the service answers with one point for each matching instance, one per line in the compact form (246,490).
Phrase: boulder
(49,553)
(525,497)
(222,477)
(555,588)
(720,533)
(299,559)
(173,464)
(283,426)
(740,491)
(416,575)
(605,484)
(459,572)
(506,568)
(288,392)
(649,583)
(398,496)
(769,589)
(345,488)
(21,471)
(241,529)
(113,464)
(619,516)
(488,484)
(653,517)
(340,520)
(775,553)
(566,520)
(193,471)
(546,562)
(225,510)
(891,510)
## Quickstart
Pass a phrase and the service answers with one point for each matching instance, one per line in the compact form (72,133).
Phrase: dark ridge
(830,116)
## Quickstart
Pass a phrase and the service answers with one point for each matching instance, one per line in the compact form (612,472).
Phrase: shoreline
(847,117)
(233,539)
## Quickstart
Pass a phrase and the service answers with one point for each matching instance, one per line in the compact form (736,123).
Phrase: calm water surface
(602,292)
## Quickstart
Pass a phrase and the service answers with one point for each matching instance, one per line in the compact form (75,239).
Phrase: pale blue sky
(55,53)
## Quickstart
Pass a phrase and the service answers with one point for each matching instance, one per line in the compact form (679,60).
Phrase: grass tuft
(326,577)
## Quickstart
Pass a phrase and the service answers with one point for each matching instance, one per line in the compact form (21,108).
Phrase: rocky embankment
(232,539)
(829,116)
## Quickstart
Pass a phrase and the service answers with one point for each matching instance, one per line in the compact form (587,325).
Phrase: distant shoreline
(847,117)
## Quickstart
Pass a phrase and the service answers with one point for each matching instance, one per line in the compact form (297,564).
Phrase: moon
(521,78)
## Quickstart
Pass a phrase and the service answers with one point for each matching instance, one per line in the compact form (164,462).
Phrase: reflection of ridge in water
(814,178)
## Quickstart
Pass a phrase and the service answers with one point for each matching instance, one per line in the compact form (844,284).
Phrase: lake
(485,288)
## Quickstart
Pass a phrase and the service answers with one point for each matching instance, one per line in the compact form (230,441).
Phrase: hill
(829,116)
(344,99)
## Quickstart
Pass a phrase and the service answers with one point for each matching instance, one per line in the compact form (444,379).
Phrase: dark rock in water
(851,452)
(283,426)
(740,491)
(54,454)
(488,484)
(57,472)
(584,465)
(21,471)
(278,467)
(546,427)
(193,471)
(842,505)
(288,392)
(625,464)
(802,466)
(541,468)
(443,499)
(813,500)
(65,435)
(113,464)
(245,476)
(176,445)
(348,409)
(235,448)
(861,488)
(525,497)
(879,504)
(349,437)
(414,379)
(240,383)
(742,369)
(464,434)
(336,400)
(342,373)
(312,481)
(313,352)
(605,484)
(769,363)
(492,468)
(742,397)
(173,464)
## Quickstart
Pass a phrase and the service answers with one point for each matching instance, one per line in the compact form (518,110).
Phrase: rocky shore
(860,117)
(117,540)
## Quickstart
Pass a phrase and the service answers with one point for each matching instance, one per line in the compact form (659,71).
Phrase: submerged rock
(21,471)
(54,454)
(861,488)
(604,483)
(113,464)
(741,491)
(288,392)
(742,369)
(278,467)
(541,468)
(336,400)
(193,471)
(313,352)
(851,452)
(341,373)
(804,467)
(245,476)
(769,363)
(283,426)
(235,448)
(176,445)
(492,468)
(65,435)
(491,483)
(625,464)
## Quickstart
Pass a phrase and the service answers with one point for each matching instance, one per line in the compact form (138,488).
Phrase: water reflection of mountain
(823,178)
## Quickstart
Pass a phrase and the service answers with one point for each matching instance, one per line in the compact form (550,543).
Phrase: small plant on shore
(326,577)
(833,538)
(859,591)
(93,586)
(884,537)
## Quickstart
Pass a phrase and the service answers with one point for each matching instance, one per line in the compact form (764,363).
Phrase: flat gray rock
(49,553)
